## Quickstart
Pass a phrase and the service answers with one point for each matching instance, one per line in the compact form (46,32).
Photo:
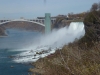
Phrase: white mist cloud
(47,44)
(63,36)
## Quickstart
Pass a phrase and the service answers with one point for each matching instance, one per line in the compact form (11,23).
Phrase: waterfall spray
(48,44)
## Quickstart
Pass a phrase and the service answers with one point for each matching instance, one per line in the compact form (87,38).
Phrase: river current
(11,45)
(22,47)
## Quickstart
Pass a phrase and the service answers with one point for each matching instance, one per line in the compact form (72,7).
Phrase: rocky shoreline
(70,60)
(2,32)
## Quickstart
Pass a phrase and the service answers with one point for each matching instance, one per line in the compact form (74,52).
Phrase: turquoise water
(16,39)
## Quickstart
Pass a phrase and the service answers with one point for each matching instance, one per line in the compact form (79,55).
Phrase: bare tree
(94,7)
(99,6)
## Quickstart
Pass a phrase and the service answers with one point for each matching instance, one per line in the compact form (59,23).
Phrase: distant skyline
(14,9)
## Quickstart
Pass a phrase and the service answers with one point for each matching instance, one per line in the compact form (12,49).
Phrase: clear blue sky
(10,9)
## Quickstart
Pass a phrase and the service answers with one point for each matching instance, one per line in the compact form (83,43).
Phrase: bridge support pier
(47,23)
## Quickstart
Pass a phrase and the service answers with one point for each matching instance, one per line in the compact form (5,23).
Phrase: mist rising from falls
(47,44)
(58,38)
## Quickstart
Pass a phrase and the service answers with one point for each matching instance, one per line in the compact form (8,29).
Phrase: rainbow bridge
(37,21)
(47,21)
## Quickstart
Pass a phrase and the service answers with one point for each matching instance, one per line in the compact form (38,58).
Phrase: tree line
(95,7)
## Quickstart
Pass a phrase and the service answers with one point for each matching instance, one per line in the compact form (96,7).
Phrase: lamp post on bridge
(47,23)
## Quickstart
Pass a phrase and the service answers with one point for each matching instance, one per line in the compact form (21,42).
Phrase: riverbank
(2,32)
(70,60)
(4,35)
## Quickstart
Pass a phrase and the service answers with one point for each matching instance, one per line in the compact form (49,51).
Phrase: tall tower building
(47,23)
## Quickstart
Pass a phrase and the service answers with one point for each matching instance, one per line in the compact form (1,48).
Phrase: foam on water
(47,44)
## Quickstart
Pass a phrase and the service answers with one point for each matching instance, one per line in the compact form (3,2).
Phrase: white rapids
(48,44)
